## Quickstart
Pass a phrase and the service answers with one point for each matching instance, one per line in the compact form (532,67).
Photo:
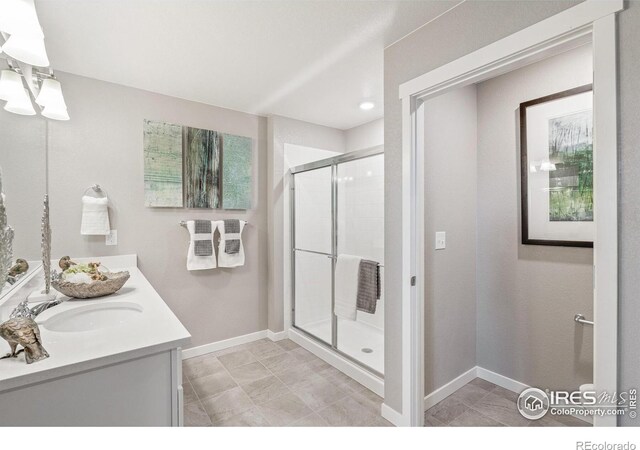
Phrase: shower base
(360,341)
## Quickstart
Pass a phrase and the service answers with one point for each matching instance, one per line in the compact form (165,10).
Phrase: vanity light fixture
(19,17)
(22,32)
(27,57)
(367,105)
(47,91)
(21,104)
(51,94)
(55,113)
(27,49)
(10,85)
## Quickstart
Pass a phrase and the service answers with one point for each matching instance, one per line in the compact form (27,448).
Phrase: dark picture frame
(576,171)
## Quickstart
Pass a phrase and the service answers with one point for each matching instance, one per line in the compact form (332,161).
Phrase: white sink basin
(93,317)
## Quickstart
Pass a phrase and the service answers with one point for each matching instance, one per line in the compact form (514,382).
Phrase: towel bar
(183,223)
(328,255)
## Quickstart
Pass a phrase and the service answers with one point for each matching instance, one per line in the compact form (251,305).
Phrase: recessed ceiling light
(366,106)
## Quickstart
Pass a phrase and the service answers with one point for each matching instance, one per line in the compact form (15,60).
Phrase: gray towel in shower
(202,247)
(369,288)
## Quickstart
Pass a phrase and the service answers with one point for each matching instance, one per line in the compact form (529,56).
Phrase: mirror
(23,161)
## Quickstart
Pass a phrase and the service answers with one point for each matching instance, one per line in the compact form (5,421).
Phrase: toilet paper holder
(580,319)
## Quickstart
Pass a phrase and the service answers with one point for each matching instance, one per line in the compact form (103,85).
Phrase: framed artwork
(556,156)
(196,168)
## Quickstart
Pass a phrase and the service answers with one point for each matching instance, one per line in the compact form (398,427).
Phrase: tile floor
(483,404)
(267,383)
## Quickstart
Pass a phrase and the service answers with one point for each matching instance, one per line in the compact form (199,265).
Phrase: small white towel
(195,262)
(95,216)
(225,259)
(347,272)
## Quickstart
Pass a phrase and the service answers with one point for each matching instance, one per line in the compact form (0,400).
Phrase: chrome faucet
(23,310)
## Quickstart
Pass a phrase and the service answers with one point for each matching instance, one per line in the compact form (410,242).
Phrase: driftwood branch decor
(46,246)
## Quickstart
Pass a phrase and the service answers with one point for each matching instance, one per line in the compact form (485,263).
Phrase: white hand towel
(195,262)
(95,216)
(225,259)
(347,271)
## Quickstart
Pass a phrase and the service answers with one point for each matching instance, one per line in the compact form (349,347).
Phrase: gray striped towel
(369,288)
(202,247)
(231,226)
(231,246)
(202,226)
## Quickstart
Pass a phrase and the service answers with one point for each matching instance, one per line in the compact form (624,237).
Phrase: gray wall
(281,131)
(527,294)
(103,144)
(370,134)
(450,206)
(629,186)
(468,27)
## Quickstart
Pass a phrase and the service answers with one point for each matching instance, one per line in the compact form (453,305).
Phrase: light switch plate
(441,240)
(111,238)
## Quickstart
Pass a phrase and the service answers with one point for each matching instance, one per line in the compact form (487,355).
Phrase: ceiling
(309,60)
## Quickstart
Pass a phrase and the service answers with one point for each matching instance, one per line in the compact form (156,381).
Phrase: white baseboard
(221,345)
(277,336)
(393,416)
(345,366)
(452,386)
(502,381)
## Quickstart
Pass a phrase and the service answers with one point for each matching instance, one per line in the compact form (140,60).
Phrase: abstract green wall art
(196,168)
(236,172)
(202,168)
(162,164)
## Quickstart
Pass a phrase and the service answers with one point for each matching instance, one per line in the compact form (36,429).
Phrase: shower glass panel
(360,232)
(313,218)
(338,208)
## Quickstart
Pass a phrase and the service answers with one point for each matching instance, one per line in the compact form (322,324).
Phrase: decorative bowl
(113,283)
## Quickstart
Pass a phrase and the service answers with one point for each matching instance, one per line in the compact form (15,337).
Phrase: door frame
(591,21)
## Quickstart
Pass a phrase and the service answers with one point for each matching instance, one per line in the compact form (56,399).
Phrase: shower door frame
(332,162)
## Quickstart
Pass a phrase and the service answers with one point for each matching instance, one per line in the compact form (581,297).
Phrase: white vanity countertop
(153,330)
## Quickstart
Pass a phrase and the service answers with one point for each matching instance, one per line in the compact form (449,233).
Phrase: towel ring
(96,191)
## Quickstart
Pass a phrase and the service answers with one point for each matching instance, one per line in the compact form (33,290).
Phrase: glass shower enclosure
(337,207)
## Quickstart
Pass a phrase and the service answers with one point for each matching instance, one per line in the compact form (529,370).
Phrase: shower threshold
(341,361)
